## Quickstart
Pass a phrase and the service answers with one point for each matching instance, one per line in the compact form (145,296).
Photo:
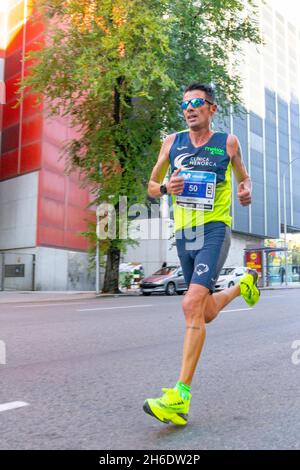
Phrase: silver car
(168,280)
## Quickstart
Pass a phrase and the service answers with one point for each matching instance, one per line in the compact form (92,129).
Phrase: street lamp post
(98,267)
(284,220)
(97,250)
(285,230)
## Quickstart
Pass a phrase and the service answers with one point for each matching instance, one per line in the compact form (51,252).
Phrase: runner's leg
(194,305)
(219,300)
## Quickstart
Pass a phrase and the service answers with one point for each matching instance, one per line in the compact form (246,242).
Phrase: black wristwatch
(163,189)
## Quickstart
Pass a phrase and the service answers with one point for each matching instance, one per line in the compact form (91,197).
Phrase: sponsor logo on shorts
(201,269)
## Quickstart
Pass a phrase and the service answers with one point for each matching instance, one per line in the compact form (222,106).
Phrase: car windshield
(226,271)
(164,271)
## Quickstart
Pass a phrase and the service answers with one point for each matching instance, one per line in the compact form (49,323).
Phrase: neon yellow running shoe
(169,408)
(248,286)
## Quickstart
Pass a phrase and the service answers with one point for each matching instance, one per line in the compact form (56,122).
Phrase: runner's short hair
(208,90)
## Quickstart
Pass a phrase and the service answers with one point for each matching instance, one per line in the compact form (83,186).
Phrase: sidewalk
(295,285)
(69,296)
(55,296)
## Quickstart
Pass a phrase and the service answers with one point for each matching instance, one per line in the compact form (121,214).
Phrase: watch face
(163,189)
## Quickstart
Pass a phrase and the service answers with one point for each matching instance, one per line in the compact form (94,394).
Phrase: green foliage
(208,37)
(126,280)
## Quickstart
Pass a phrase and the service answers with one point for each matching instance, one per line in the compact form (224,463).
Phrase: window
(256,142)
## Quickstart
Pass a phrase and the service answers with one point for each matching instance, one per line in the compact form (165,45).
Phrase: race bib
(199,190)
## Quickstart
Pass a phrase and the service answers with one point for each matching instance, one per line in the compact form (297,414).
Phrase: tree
(117,68)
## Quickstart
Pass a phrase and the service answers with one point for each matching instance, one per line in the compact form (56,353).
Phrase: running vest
(211,157)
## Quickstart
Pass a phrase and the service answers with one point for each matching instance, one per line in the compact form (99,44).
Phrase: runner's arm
(244,182)
(160,169)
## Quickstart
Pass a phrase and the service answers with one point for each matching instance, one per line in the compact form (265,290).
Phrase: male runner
(200,185)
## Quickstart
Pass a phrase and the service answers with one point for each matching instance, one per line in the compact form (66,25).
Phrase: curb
(280,288)
(125,294)
(32,297)
(34,301)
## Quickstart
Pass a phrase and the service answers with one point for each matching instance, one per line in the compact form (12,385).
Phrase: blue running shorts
(202,252)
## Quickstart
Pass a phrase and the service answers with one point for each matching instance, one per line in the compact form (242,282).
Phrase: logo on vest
(215,150)
(181,148)
(183,161)
(201,161)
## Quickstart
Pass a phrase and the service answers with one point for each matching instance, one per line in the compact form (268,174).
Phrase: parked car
(229,277)
(168,280)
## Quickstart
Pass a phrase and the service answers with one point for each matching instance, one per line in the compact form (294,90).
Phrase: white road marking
(49,305)
(237,310)
(12,405)
(113,308)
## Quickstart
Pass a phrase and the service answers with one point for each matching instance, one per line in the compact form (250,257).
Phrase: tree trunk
(111,278)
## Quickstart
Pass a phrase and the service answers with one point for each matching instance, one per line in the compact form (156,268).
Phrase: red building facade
(40,206)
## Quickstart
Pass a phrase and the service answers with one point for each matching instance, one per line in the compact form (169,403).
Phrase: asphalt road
(83,369)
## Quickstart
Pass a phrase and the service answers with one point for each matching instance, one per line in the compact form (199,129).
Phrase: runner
(200,185)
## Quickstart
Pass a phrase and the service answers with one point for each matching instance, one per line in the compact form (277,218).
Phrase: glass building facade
(269,130)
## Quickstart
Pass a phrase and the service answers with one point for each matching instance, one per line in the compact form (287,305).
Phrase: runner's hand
(176,183)
(244,194)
